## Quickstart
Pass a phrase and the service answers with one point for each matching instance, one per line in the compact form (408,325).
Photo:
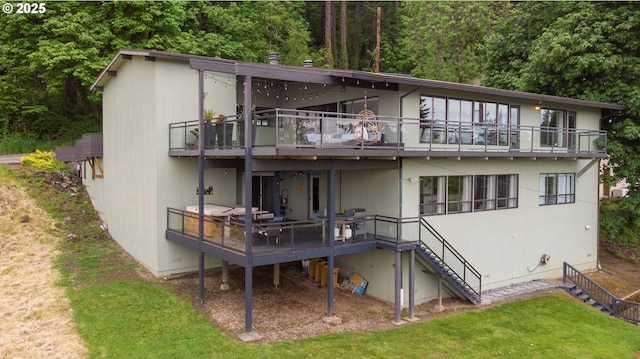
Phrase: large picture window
(557,188)
(461,194)
(464,121)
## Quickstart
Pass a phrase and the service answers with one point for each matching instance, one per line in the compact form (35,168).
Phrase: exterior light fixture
(538,106)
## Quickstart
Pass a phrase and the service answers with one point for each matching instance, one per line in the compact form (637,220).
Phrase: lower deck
(277,242)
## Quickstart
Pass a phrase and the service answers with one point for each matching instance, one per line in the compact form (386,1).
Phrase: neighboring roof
(331,76)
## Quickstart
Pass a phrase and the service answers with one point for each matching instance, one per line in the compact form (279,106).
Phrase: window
(459,194)
(507,191)
(557,188)
(460,121)
(495,192)
(557,128)
(484,193)
(566,188)
(433,116)
(432,195)
(355,106)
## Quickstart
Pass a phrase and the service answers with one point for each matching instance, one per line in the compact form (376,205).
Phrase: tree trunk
(355,52)
(329,33)
(344,56)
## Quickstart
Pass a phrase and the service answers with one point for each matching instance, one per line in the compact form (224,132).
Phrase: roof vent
(274,58)
(308,63)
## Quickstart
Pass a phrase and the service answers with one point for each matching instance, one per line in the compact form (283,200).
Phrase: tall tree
(329,30)
(344,56)
(583,50)
(49,60)
(440,39)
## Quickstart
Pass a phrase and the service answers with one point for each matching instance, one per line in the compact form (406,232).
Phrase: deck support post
(248,190)
(276,274)
(398,287)
(201,183)
(412,280)
(225,276)
(331,207)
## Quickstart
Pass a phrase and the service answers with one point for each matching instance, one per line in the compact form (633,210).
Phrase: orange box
(211,229)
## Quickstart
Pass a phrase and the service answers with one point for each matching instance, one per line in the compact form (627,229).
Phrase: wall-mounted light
(538,106)
(413,180)
(587,227)
(300,173)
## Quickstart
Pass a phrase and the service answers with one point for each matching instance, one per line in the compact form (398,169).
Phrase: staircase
(444,260)
(583,288)
(586,298)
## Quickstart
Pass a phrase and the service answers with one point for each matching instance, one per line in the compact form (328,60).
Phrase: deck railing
(229,232)
(619,308)
(290,128)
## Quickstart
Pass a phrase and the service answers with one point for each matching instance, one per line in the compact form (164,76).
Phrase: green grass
(16,143)
(120,315)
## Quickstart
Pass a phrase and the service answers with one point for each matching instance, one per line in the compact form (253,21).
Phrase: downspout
(248,269)
(201,184)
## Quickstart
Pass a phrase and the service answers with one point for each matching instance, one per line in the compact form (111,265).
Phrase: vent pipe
(274,58)
(308,63)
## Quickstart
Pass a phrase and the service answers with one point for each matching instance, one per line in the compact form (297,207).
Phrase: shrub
(620,221)
(44,160)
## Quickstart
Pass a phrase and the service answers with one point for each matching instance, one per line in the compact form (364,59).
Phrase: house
(423,188)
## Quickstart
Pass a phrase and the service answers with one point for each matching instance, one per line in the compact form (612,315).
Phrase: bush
(44,160)
(620,221)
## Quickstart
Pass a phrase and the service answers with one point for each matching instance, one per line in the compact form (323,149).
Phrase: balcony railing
(290,128)
(267,237)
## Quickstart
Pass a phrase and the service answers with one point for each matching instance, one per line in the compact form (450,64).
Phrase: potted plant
(209,127)
(224,131)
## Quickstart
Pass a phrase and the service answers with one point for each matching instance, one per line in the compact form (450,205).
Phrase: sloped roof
(328,76)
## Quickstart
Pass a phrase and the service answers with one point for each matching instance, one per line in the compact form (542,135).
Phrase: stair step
(591,302)
(599,307)
(584,297)
(575,291)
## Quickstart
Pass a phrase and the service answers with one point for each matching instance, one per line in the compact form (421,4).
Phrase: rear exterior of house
(475,187)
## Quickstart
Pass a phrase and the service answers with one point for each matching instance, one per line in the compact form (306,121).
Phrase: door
(263,192)
(313,193)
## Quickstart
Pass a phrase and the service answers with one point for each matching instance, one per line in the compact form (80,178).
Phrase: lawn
(121,314)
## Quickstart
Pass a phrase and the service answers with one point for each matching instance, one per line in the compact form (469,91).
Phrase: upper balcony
(302,133)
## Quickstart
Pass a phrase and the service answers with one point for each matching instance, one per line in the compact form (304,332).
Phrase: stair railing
(619,308)
(452,258)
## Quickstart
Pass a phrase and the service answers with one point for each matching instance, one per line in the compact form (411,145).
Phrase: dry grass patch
(35,314)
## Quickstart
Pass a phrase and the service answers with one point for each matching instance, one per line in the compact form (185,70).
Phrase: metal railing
(229,232)
(619,308)
(444,251)
(291,128)
(398,230)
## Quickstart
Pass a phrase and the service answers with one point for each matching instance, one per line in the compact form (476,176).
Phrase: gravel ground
(296,308)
